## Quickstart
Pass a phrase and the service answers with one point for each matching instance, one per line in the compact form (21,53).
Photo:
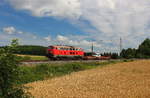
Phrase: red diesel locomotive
(59,52)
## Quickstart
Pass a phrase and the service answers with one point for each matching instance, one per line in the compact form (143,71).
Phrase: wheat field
(122,80)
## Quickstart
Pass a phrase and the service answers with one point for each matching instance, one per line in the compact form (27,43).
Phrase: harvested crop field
(122,80)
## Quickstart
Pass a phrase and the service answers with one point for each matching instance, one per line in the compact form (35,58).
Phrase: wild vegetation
(47,71)
(9,73)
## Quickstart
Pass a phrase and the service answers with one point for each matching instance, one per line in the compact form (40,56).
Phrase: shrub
(9,73)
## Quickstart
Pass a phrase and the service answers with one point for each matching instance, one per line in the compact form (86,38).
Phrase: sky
(76,22)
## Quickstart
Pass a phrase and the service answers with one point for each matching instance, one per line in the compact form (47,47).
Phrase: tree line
(143,51)
(30,50)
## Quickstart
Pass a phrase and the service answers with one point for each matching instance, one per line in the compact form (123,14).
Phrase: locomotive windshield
(50,47)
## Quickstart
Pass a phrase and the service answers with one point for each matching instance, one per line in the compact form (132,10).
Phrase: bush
(9,73)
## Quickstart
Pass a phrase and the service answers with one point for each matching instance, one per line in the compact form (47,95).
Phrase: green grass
(39,58)
(32,57)
(47,71)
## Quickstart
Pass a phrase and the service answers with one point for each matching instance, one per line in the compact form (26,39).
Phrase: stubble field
(122,80)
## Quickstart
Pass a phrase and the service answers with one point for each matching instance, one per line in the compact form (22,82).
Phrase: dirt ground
(122,80)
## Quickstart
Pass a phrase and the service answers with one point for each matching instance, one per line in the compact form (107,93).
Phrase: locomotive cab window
(65,48)
(55,48)
(50,47)
(61,48)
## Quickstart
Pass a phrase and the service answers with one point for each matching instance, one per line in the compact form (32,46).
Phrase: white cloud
(129,19)
(123,18)
(27,38)
(48,38)
(9,30)
(59,8)
(76,40)
(61,38)
(20,32)
(34,37)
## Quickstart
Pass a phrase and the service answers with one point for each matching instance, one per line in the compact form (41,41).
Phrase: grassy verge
(32,57)
(47,71)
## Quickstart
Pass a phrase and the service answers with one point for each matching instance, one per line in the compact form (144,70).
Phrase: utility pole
(120,45)
(92,48)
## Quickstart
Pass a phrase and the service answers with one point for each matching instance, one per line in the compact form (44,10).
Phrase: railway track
(32,62)
(35,62)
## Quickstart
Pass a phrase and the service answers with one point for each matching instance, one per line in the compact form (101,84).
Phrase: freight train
(61,52)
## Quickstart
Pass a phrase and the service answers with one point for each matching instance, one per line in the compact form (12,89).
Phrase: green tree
(128,53)
(9,73)
(114,55)
(144,49)
(31,50)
